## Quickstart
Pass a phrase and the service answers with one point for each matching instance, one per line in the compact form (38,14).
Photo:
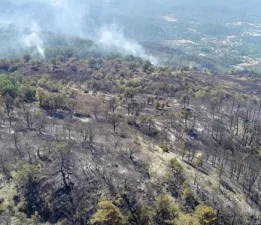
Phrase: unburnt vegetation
(120,141)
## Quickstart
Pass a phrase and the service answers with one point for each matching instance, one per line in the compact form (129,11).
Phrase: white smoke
(113,38)
(34,40)
(69,17)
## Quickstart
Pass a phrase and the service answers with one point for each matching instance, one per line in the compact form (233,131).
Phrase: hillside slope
(83,137)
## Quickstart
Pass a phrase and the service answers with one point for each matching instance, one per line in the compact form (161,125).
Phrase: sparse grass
(7,194)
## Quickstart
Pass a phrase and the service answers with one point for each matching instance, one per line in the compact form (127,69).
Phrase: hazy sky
(72,13)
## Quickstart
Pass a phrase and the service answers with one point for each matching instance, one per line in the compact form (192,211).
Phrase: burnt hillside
(151,145)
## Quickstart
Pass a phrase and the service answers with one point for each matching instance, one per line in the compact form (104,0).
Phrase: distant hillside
(219,37)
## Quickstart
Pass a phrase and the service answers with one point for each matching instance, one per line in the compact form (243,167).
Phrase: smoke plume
(33,40)
(68,17)
(113,38)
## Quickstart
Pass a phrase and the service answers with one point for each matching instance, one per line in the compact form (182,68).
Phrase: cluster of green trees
(164,211)
(49,94)
(55,96)
(54,101)
(17,87)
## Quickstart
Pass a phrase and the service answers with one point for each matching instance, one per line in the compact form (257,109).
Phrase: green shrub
(206,215)
(107,213)
(175,165)
(187,194)
(27,93)
(26,175)
(8,86)
(166,210)
(165,148)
